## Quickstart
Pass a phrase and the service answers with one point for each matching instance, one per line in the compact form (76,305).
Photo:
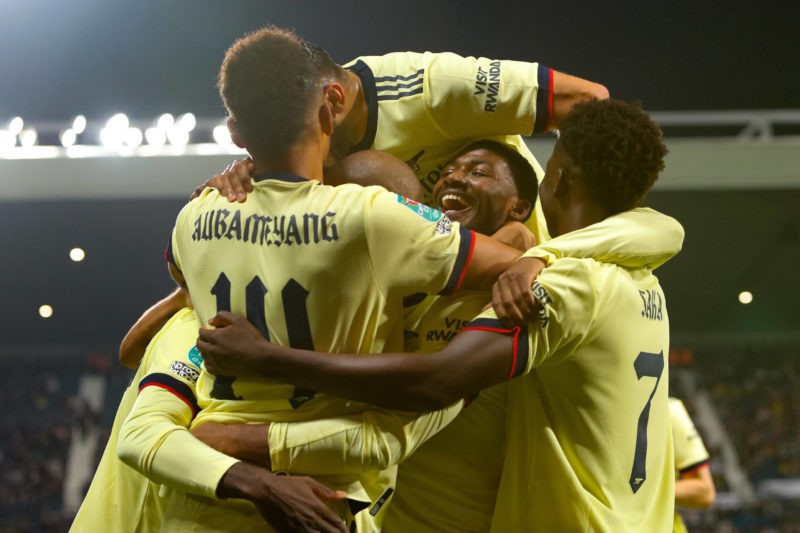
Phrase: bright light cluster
(118,133)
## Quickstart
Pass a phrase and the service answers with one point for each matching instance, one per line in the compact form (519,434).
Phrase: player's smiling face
(477,190)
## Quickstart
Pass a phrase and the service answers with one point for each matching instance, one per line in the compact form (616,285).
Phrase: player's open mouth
(454,203)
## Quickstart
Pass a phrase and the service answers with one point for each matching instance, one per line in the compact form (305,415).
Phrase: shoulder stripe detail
(519,358)
(398,86)
(400,78)
(544,99)
(173,385)
(694,466)
(465,248)
(398,96)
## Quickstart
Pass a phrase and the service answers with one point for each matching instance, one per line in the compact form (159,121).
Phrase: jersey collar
(280,176)
(360,69)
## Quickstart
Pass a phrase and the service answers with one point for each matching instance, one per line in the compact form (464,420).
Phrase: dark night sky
(97,57)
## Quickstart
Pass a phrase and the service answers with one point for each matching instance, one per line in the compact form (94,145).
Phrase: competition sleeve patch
(175,386)
(465,248)
(519,359)
(544,99)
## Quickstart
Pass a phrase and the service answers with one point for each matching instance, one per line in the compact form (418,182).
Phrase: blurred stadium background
(109,118)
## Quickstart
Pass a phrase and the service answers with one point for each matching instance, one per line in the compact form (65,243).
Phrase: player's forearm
(489,259)
(569,90)
(695,492)
(133,345)
(154,440)
(634,239)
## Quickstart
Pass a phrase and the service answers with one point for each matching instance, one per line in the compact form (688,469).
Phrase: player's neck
(302,159)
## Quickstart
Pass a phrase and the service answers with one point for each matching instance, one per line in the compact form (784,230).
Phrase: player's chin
(463,216)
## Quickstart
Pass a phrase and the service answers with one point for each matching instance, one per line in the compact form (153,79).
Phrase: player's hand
(515,234)
(287,503)
(234,347)
(512,298)
(233,182)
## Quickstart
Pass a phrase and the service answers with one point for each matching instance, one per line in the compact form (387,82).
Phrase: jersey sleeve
(567,304)
(690,452)
(637,238)
(480,97)
(373,440)
(154,439)
(414,248)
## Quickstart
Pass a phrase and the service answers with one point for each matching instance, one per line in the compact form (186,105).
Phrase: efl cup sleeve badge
(425,211)
(443,226)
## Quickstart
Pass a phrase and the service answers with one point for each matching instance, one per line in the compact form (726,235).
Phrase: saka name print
(652,305)
(264,230)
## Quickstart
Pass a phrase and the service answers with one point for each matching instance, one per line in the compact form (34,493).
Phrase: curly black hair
(618,147)
(267,81)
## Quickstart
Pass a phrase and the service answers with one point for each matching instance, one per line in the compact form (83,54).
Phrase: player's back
(312,266)
(588,439)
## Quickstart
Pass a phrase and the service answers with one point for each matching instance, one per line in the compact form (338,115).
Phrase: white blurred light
(187,122)
(155,136)
(45,311)
(77,254)
(165,121)
(133,137)
(178,136)
(222,135)
(79,124)
(119,121)
(68,138)
(112,137)
(15,125)
(745,297)
(7,139)
(28,137)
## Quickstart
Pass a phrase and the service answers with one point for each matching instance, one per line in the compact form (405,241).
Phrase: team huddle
(392,318)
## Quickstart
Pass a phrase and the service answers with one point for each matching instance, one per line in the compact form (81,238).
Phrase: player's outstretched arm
(474,360)
(133,345)
(569,90)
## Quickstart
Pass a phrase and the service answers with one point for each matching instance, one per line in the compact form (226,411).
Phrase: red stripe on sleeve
(173,391)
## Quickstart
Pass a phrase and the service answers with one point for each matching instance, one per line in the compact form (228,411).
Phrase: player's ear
(520,210)
(332,106)
(235,137)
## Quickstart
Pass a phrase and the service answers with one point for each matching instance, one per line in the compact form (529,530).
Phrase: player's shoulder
(395,63)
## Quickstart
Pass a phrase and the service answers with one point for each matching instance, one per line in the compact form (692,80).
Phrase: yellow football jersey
(425,107)
(588,446)
(121,499)
(450,483)
(690,451)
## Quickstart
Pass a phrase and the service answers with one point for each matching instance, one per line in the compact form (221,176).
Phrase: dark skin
(474,360)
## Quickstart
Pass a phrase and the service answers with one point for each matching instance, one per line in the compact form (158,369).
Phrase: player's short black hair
(267,81)
(521,169)
(620,150)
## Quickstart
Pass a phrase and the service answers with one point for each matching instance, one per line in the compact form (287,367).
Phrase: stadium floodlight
(28,137)
(15,125)
(222,136)
(187,122)
(68,137)
(745,297)
(45,311)
(133,137)
(178,136)
(79,124)
(155,136)
(165,122)
(77,254)
(7,139)
(118,121)
(112,138)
